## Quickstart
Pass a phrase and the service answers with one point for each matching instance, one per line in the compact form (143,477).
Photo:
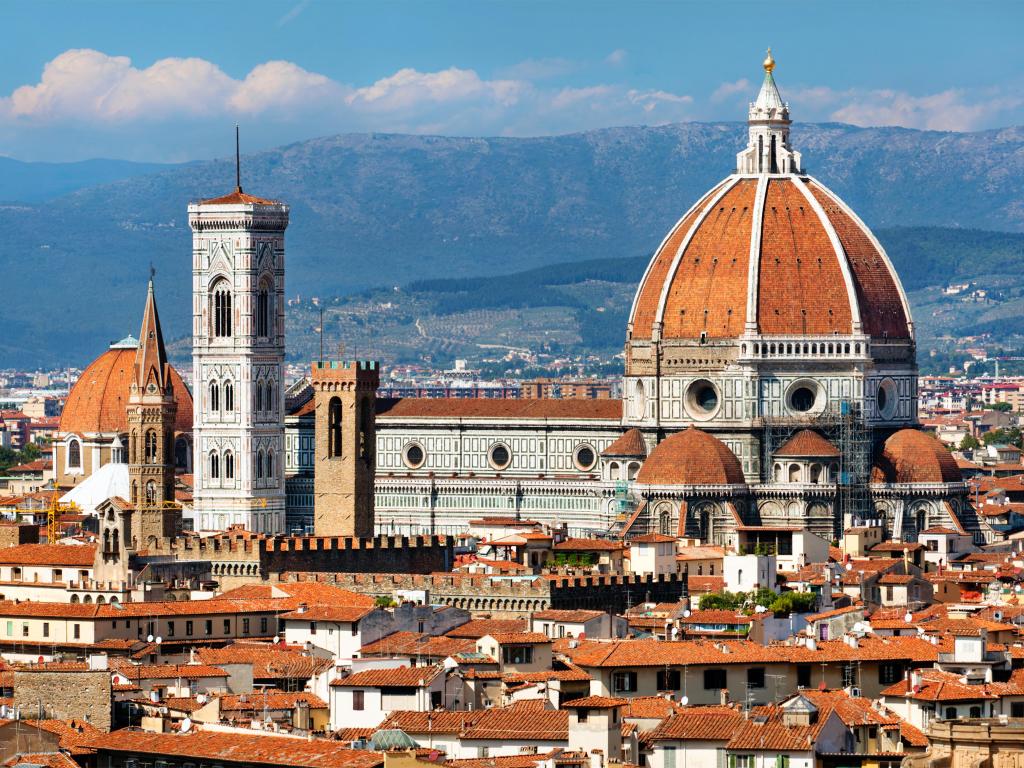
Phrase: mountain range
(375,210)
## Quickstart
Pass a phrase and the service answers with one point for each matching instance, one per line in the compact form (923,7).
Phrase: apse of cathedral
(770,383)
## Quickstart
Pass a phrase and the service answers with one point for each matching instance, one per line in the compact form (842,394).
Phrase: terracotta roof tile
(881,305)
(912,456)
(76,555)
(238,748)
(496,408)
(806,443)
(238,197)
(691,457)
(395,677)
(630,445)
(477,628)
(98,401)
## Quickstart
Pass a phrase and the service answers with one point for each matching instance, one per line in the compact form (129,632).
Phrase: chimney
(597,758)
(723,697)
(302,608)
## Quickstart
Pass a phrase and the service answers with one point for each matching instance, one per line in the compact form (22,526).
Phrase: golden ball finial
(769,62)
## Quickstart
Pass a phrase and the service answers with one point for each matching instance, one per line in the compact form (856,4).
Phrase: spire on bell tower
(151,358)
(768,149)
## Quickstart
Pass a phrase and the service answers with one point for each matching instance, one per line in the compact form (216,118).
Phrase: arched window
(150,492)
(263,309)
(135,492)
(151,447)
(214,465)
(270,465)
(334,428)
(117,541)
(815,473)
(259,396)
(794,473)
(221,309)
(75,454)
(229,465)
(181,453)
(269,397)
(214,396)
(259,464)
(229,396)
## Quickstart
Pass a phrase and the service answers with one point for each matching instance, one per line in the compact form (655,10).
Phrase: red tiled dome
(98,400)
(913,456)
(820,271)
(806,443)
(691,457)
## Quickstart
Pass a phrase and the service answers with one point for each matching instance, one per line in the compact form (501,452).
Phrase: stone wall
(64,695)
(13,534)
(505,598)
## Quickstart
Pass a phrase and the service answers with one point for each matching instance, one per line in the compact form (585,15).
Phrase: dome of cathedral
(771,252)
(912,456)
(779,256)
(691,457)
(99,399)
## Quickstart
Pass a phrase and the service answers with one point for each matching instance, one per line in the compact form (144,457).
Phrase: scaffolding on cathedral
(846,429)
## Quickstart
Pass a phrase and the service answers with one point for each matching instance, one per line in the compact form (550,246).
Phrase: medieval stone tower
(237,361)
(346,437)
(151,415)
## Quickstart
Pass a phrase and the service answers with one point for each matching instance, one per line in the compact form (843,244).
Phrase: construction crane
(53,513)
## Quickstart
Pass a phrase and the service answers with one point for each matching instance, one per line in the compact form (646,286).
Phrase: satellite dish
(149,638)
(277,639)
(849,566)
(186,724)
(686,613)
(759,609)
(154,696)
(159,639)
(684,700)
(201,698)
(908,617)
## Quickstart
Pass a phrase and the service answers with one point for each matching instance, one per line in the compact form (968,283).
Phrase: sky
(167,81)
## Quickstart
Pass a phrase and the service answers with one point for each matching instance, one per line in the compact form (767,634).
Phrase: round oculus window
(802,398)
(413,455)
(702,399)
(886,399)
(585,457)
(499,456)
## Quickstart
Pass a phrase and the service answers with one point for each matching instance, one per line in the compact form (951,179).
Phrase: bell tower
(150,416)
(238,361)
(346,438)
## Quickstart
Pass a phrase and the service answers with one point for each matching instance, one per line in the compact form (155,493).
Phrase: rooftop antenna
(238,163)
(321,329)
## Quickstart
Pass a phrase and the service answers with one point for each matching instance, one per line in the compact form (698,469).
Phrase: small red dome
(99,399)
(691,457)
(913,456)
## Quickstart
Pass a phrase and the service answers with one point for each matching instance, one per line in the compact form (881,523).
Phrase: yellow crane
(53,513)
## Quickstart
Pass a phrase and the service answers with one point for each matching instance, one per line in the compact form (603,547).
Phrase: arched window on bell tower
(264,309)
(151,449)
(214,465)
(220,309)
(214,397)
(229,396)
(334,429)
(150,492)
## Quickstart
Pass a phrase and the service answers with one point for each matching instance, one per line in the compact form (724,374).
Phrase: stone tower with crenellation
(346,435)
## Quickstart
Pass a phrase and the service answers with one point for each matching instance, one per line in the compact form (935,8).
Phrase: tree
(792,602)
(1004,407)
(384,601)
(969,443)
(722,601)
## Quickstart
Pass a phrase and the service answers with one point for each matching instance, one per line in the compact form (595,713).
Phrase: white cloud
(293,14)
(617,57)
(949,110)
(408,88)
(278,85)
(727,90)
